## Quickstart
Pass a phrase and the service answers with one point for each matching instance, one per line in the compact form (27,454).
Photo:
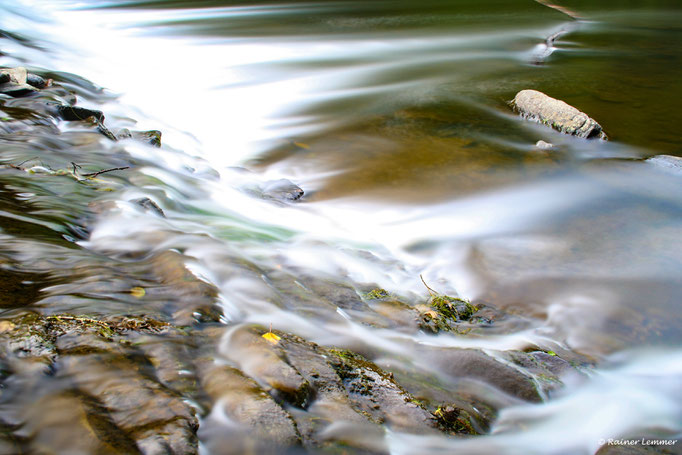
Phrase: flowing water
(393,118)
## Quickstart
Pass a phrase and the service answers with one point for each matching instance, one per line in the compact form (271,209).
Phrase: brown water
(393,118)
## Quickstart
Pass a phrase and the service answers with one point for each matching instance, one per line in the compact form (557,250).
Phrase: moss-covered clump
(452,308)
(376,294)
(454,420)
(443,313)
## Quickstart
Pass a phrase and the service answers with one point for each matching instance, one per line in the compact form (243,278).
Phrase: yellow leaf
(271,337)
(137,292)
(303,145)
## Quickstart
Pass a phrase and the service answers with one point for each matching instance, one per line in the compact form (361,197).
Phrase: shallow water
(394,120)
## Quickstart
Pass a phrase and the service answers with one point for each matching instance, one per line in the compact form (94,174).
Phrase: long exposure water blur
(394,119)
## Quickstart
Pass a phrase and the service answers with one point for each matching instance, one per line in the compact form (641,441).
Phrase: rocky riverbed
(139,378)
(132,352)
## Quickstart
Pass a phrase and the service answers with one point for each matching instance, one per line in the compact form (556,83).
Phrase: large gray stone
(557,114)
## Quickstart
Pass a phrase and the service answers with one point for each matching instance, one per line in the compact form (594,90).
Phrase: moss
(454,420)
(452,308)
(376,294)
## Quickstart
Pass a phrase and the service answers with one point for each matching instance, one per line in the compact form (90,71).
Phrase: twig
(26,161)
(95,174)
(560,8)
(75,167)
(431,291)
(83,320)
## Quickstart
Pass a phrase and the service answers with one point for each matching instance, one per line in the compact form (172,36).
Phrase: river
(393,118)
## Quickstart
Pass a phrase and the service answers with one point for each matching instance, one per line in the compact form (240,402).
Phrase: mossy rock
(445,313)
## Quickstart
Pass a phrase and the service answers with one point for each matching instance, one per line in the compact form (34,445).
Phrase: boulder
(541,108)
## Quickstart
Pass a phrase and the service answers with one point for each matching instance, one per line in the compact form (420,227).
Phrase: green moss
(376,294)
(454,420)
(452,308)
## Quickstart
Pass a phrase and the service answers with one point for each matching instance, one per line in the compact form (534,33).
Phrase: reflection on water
(393,118)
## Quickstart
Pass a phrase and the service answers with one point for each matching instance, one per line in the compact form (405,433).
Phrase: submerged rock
(282,190)
(478,366)
(149,206)
(81,385)
(151,137)
(542,145)
(667,162)
(539,107)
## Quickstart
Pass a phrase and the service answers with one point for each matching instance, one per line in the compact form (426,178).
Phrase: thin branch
(560,8)
(26,161)
(431,291)
(92,175)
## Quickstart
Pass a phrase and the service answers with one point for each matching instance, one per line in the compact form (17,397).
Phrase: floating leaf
(551,353)
(137,292)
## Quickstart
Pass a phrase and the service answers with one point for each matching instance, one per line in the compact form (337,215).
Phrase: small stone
(75,113)
(36,81)
(13,82)
(542,145)
(539,107)
(283,190)
(124,134)
(149,206)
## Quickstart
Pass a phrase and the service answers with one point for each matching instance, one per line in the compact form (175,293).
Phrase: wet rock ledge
(133,384)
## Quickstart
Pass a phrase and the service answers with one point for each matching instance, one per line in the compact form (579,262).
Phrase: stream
(393,118)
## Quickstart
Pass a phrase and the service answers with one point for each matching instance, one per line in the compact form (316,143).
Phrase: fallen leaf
(137,292)
(303,145)
(271,337)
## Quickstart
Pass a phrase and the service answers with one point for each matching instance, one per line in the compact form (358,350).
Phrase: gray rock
(152,137)
(75,113)
(476,365)
(36,81)
(13,82)
(244,401)
(283,190)
(149,206)
(537,106)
